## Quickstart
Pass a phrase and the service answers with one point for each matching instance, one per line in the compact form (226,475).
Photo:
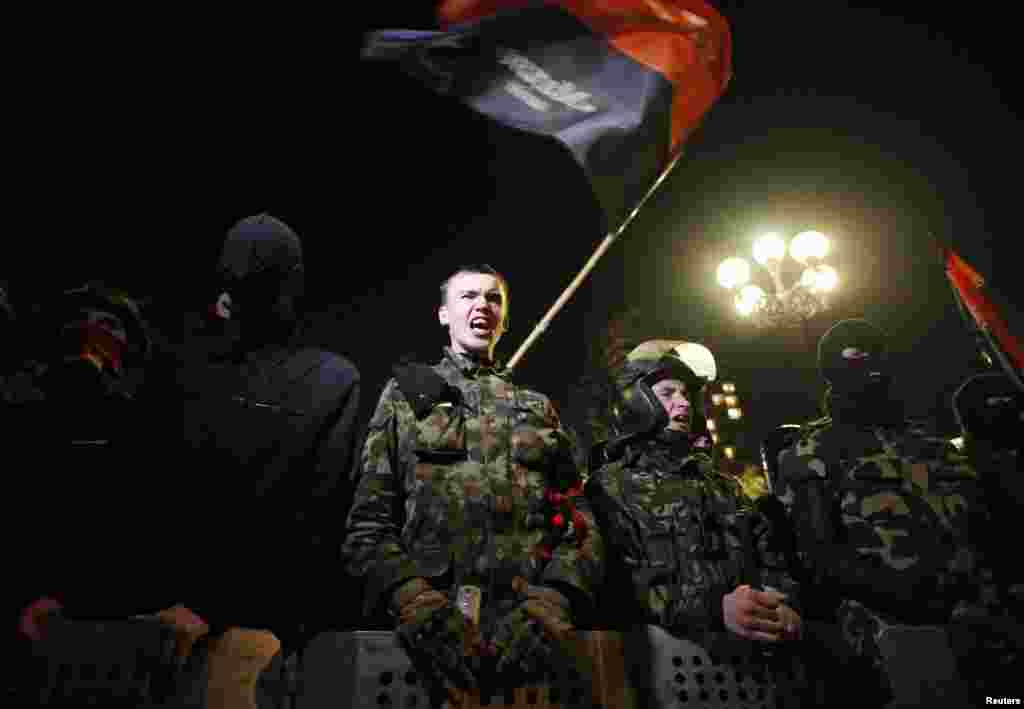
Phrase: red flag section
(969,285)
(686,41)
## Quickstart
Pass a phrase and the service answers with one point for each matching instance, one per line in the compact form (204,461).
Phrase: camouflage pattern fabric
(884,517)
(676,527)
(459,496)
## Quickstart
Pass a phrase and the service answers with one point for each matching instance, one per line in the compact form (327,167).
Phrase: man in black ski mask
(271,425)
(881,509)
(269,430)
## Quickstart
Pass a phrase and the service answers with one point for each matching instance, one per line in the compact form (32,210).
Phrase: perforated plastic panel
(921,666)
(735,674)
(360,670)
(131,663)
(366,670)
(280,685)
(128,663)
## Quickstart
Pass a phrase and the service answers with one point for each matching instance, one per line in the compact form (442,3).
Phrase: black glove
(434,633)
(526,637)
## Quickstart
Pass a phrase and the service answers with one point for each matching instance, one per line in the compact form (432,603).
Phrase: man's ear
(442,315)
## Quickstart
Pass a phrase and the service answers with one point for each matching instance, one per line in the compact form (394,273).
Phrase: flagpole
(609,239)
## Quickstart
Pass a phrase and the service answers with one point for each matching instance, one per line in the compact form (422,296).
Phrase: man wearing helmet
(674,525)
(881,510)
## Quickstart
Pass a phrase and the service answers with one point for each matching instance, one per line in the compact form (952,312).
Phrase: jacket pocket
(442,433)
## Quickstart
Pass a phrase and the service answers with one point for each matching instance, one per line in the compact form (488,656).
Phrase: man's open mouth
(481,326)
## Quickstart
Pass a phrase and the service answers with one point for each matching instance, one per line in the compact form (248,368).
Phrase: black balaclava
(853,359)
(261,269)
(990,408)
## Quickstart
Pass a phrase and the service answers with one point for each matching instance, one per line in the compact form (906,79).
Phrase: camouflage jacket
(883,518)
(464,494)
(680,536)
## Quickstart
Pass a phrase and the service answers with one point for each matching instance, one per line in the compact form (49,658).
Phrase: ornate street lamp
(785,306)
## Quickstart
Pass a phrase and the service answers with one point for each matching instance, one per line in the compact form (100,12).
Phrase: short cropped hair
(486,270)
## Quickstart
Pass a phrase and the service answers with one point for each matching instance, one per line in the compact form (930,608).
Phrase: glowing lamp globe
(808,246)
(733,272)
(827,279)
(769,247)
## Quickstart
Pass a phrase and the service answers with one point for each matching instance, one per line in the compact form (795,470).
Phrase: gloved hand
(435,634)
(525,638)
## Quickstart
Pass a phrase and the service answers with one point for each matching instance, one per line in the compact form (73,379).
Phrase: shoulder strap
(423,387)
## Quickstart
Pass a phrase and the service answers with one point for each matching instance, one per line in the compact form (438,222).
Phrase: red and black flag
(969,289)
(619,83)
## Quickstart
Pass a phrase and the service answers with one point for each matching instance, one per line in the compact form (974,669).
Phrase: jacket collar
(470,366)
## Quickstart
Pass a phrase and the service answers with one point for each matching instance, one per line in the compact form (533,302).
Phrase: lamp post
(784,306)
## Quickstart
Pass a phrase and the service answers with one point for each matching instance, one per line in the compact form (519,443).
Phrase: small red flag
(969,285)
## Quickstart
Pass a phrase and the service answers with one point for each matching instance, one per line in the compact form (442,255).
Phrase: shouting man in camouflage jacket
(886,514)
(684,540)
(467,523)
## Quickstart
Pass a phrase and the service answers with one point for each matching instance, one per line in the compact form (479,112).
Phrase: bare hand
(754,614)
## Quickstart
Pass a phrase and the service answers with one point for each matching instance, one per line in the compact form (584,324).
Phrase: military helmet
(638,409)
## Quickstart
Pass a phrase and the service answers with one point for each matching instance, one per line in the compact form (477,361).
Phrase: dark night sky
(872,126)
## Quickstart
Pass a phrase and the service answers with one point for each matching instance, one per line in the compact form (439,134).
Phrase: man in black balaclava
(881,510)
(270,432)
